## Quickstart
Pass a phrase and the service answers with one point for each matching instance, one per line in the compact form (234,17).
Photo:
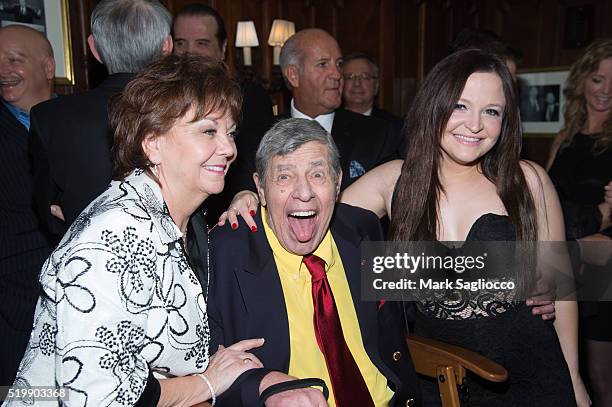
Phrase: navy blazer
(246,301)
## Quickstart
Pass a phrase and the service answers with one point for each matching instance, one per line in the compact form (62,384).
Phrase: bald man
(26,79)
(311,64)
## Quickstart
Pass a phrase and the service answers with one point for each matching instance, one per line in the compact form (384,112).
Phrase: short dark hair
(161,94)
(486,41)
(202,10)
(362,55)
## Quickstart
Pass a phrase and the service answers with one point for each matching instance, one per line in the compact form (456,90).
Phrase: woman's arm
(550,229)
(224,367)
(374,189)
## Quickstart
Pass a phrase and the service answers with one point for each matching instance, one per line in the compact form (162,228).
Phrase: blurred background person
(70,141)
(361,83)
(27,70)
(121,301)
(199,29)
(581,167)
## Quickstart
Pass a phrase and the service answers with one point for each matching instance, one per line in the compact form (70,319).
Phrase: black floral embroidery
(46,339)
(120,298)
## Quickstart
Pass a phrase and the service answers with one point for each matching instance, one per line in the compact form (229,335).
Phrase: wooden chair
(448,364)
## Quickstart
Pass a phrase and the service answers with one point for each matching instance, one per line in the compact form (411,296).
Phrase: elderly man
(27,69)
(361,75)
(70,139)
(311,63)
(303,264)
(199,29)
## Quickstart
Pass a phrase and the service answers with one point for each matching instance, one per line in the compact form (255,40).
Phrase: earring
(155,169)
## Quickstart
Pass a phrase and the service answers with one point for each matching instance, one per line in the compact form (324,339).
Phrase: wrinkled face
(360,86)
(318,85)
(598,88)
(194,157)
(197,35)
(299,195)
(475,124)
(25,68)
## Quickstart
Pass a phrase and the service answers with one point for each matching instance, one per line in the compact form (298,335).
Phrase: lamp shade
(280,32)
(246,36)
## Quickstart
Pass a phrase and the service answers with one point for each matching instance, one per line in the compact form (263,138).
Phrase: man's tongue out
(302,225)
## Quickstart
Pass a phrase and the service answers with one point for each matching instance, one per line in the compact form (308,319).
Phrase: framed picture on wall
(542,100)
(51,18)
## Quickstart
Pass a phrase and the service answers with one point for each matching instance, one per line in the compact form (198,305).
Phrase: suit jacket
(70,144)
(246,301)
(23,246)
(397,123)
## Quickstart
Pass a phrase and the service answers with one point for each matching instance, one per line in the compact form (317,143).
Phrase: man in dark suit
(199,29)
(70,140)
(361,82)
(302,264)
(311,64)
(27,70)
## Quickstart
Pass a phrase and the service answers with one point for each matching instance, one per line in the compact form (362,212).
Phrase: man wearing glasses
(360,89)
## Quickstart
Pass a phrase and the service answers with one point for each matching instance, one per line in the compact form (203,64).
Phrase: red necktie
(347,383)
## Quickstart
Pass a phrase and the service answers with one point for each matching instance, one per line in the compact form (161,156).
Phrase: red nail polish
(252,212)
(234,226)
(253,229)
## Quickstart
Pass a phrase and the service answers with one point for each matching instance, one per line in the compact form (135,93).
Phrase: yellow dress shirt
(306,358)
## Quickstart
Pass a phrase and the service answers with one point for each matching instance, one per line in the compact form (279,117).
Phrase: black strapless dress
(524,344)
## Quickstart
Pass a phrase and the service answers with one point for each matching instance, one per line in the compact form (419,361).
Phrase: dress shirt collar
(325,120)
(294,261)
(22,116)
(150,193)
(368,112)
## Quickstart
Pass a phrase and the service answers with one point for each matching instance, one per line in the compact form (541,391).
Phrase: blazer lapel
(264,301)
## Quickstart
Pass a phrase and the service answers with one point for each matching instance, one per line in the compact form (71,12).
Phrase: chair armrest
(428,354)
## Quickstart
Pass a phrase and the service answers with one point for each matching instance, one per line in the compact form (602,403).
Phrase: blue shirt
(21,115)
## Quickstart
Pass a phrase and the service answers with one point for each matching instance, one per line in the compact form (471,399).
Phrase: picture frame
(52,19)
(542,100)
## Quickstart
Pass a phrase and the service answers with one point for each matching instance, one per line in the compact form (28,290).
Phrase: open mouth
(467,139)
(303,224)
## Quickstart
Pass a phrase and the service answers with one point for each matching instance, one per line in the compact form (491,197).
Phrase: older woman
(581,169)
(122,320)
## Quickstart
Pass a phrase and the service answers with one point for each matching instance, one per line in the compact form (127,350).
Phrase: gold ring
(247,360)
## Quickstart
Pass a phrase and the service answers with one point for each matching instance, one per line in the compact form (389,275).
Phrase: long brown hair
(575,108)
(415,206)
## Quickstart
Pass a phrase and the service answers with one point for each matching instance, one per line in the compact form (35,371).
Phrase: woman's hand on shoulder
(244,204)
(374,189)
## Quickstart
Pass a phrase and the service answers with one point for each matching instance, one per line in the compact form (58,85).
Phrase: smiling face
(193,157)
(317,87)
(299,194)
(475,124)
(26,67)
(360,85)
(198,35)
(598,88)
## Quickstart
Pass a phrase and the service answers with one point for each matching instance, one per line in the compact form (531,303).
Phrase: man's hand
(307,397)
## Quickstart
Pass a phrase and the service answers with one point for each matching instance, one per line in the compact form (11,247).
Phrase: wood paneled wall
(407,37)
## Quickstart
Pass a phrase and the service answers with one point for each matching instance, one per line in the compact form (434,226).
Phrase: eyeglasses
(363,77)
